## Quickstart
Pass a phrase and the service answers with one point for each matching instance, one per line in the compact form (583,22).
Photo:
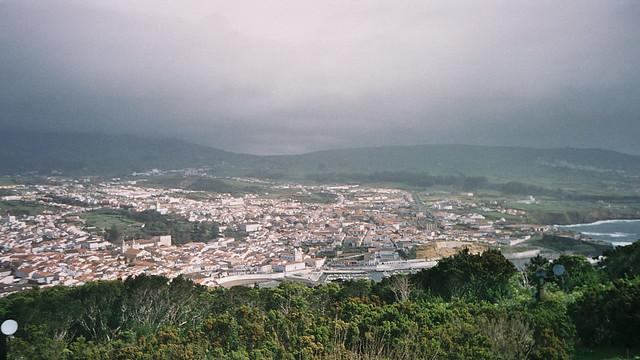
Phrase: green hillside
(568,169)
(94,154)
(543,167)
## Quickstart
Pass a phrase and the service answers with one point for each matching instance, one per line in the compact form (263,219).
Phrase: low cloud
(295,76)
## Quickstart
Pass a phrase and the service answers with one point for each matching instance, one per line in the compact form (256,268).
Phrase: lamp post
(541,274)
(8,328)
(559,271)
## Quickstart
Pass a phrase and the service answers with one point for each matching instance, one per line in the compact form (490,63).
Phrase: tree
(578,272)
(401,287)
(480,277)
(609,315)
(152,317)
(203,232)
(510,337)
(553,330)
(535,263)
(623,261)
(114,234)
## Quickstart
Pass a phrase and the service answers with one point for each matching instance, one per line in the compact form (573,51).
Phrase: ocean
(617,232)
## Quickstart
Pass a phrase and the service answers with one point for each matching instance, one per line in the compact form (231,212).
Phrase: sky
(292,76)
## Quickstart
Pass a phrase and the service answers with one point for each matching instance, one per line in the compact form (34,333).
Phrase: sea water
(617,232)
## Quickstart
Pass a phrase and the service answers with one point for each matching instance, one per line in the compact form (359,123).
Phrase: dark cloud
(294,76)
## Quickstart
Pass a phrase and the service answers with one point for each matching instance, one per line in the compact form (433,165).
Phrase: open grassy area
(7,180)
(315,198)
(205,184)
(20,208)
(558,211)
(104,221)
(564,245)
(150,223)
(494,215)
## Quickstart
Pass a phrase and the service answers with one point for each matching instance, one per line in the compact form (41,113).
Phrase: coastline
(619,235)
(600,222)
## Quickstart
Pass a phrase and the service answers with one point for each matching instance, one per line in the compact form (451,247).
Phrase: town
(71,231)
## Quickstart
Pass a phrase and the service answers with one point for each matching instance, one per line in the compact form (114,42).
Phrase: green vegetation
(20,208)
(578,272)
(467,307)
(495,216)
(574,209)
(622,262)
(206,184)
(608,314)
(613,353)
(474,277)
(414,179)
(569,245)
(103,220)
(555,205)
(315,198)
(235,233)
(515,170)
(119,223)
(101,154)
(518,169)
(7,180)
(575,185)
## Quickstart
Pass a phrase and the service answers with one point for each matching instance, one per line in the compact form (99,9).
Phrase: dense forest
(467,307)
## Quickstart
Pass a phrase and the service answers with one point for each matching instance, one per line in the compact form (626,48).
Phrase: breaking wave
(613,235)
(601,222)
(617,232)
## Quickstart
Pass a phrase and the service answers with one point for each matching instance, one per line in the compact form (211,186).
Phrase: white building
(285,266)
(250,227)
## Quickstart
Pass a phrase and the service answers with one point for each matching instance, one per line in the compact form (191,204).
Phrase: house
(154,242)
(315,263)
(95,245)
(285,266)
(134,255)
(43,277)
(24,272)
(250,227)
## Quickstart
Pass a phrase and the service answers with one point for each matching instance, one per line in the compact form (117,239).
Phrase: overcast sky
(295,76)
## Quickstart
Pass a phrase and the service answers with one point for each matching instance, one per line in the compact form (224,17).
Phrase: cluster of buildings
(361,232)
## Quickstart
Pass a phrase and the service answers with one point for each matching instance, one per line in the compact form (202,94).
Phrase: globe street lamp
(541,274)
(8,328)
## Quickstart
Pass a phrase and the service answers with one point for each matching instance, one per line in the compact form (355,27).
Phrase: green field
(567,209)
(103,221)
(7,180)
(563,245)
(315,198)
(149,223)
(494,215)
(204,184)
(553,211)
(19,208)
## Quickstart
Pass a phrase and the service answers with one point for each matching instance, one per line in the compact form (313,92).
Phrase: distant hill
(104,154)
(500,163)
(110,154)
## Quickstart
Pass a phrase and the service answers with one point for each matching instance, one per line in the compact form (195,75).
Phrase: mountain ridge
(87,153)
